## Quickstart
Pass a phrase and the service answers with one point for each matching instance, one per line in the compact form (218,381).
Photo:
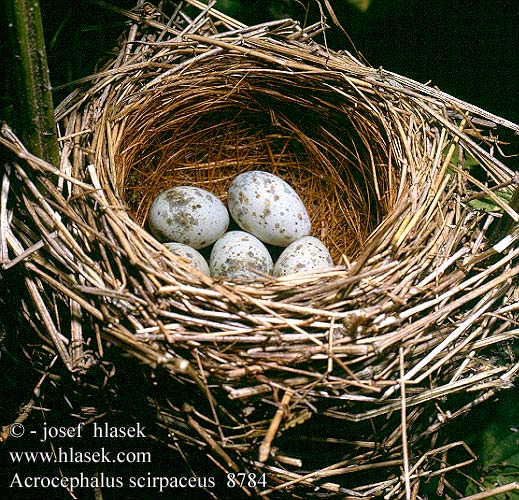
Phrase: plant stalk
(33,115)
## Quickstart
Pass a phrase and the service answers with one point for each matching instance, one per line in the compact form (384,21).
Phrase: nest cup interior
(205,126)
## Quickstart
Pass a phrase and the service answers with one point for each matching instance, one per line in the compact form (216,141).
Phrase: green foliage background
(496,442)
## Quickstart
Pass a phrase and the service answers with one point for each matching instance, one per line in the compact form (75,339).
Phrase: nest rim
(419,285)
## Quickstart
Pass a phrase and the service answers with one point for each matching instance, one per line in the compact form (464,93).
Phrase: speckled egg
(305,254)
(188,215)
(237,254)
(266,206)
(194,257)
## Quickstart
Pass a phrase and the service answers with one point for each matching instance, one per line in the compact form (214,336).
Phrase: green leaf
(230,7)
(362,5)
(488,205)
(485,205)
(468,160)
(498,452)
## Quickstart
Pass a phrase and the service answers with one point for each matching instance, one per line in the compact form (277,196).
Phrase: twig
(264,449)
(405,451)
(493,492)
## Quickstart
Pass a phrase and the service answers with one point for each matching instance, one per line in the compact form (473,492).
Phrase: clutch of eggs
(267,209)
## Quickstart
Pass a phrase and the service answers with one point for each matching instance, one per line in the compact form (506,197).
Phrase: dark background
(466,48)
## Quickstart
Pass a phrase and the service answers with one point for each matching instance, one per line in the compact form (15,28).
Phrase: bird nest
(333,382)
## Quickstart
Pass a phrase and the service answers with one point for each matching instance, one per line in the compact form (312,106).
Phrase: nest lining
(228,115)
(419,314)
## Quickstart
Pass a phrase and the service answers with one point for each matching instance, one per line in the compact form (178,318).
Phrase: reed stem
(34,108)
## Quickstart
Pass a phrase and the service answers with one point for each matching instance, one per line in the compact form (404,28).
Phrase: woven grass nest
(336,383)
